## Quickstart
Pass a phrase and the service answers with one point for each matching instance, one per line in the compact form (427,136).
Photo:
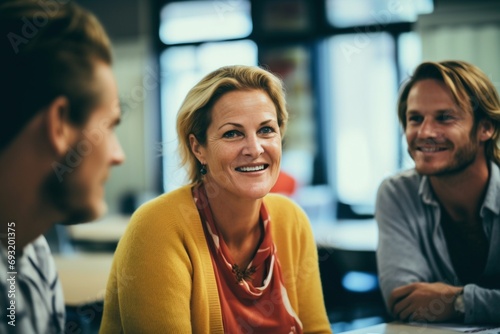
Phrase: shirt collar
(492,193)
(425,191)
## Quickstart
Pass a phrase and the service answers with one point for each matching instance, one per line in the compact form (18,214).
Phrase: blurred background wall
(342,62)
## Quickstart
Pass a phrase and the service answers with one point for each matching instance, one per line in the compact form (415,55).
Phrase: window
(410,51)
(369,54)
(201,21)
(183,65)
(364,132)
(349,13)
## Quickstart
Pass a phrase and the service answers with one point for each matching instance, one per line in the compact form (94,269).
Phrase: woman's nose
(253,147)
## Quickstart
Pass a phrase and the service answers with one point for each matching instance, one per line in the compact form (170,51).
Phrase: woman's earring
(203,170)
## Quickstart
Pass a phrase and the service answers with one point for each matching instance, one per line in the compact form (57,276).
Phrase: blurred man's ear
(60,132)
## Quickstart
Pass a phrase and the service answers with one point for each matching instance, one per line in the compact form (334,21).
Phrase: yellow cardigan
(162,279)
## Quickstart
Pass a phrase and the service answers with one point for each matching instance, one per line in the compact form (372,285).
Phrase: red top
(285,184)
(255,303)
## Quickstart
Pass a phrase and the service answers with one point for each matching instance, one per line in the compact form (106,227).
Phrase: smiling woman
(203,258)
(243,146)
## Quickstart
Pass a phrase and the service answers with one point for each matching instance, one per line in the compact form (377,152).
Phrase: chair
(348,269)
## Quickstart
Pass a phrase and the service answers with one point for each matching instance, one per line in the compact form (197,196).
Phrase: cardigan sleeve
(150,286)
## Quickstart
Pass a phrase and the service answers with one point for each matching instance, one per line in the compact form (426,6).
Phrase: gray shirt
(412,245)
(32,291)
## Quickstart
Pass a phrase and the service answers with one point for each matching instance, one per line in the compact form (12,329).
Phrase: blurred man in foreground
(57,144)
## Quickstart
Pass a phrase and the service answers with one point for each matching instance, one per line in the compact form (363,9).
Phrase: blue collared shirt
(32,291)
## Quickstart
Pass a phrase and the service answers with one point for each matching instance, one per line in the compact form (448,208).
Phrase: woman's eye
(266,130)
(231,134)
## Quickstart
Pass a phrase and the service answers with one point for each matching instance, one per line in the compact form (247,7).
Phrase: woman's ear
(197,149)
(60,132)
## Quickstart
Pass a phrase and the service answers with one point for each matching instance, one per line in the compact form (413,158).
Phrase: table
(108,229)
(354,235)
(84,276)
(404,328)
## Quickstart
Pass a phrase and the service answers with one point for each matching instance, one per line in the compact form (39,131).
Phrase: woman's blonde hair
(194,115)
(472,90)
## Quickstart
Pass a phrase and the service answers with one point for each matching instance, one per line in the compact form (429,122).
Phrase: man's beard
(68,197)
(463,158)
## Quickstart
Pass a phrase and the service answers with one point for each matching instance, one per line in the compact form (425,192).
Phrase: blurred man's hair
(47,49)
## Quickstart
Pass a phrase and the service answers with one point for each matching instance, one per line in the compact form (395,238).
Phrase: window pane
(198,21)
(182,67)
(285,16)
(364,136)
(410,55)
(292,65)
(348,13)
